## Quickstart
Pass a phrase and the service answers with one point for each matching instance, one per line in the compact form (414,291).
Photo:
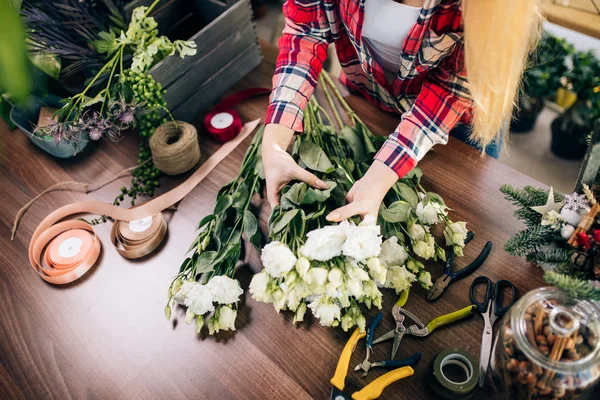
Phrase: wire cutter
(418,328)
(448,276)
(366,365)
(374,389)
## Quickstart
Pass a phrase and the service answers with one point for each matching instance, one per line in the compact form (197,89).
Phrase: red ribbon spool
(223,123)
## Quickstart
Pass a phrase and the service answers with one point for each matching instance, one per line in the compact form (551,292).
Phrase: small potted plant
(570,130)
(541,80)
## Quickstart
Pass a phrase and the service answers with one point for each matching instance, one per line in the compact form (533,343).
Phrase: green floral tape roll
(453,375)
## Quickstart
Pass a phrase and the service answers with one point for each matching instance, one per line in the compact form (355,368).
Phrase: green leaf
(396,212)
(314,157)
(240,197)
(250,224)
(354,143)
(5,108)
(90,101)
(223,204)
(283,221)
(366,137)
(47,63)
(415,175)
(185,264)
(206,261)
(106,44)
(433,197)
(407,193)
(294,194)
(14,72)
(206,220)
(313,195)
(315,214)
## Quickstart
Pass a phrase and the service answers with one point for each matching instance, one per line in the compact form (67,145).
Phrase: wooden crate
(227,50)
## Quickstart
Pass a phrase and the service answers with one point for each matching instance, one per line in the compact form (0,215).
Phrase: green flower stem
(331,102)
(341,99)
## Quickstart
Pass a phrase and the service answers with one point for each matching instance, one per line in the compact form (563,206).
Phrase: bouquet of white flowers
(331,269)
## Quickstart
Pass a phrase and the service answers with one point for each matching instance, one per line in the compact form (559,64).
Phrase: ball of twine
(175,148)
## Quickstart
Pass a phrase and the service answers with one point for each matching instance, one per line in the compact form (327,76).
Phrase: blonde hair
(498,37)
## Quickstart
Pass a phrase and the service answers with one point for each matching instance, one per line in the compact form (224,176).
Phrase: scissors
(448,276)
(373,390)
(366,365)
(491,309)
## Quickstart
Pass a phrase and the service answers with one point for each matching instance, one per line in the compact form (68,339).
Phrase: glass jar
(547,347)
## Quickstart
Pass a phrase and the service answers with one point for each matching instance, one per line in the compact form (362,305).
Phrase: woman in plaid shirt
(415,68)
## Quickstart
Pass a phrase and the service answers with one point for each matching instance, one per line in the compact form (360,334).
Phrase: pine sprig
(555,256)
(530,239)
(577,288)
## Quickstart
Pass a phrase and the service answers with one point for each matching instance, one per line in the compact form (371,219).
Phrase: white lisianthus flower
(362,241)
(458,250)
(325,310)
(361,322)
(427,213)
(426,248)
(292,298)
(392,252)
(213,325)
(333,291)
(189,316)
(279,299)
(259,287)
(411,265)
(371,291)
(302,266)
(335,277)
(354,287)
(377,271)
(317,277)
(456,233)
(183,292)
(227,318)
(199,300)
(416,231)
(347,322)
(399,278)
(425,279)
(278,259)
(224,290)
(300,311)
(344,300)
(357,273)
(325,243)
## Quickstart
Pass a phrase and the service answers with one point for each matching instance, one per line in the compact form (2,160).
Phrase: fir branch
(529,240)
(554,256)
(528,216)
(577,288)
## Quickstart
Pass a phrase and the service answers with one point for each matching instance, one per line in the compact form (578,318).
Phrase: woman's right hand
(280,168)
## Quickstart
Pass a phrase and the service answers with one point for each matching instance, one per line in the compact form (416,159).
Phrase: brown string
(71,186)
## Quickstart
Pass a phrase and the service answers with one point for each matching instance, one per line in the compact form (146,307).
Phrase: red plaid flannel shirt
(429,90)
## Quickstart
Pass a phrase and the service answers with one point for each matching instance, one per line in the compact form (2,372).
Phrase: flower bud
(335,277)
(300,311)
(361,322)
(168,312)
(189,316)
(199,323)
(412,266)
(302,266)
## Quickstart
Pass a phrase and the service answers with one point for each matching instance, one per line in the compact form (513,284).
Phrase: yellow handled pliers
(374,389)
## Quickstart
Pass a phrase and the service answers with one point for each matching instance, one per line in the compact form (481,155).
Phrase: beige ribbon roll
(129,244)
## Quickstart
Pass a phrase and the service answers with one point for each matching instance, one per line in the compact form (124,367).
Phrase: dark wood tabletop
(105,336)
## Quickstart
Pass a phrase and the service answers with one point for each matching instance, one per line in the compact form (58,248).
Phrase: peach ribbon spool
(62,252)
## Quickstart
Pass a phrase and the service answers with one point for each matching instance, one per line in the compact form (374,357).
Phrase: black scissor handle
(485,252)
(481,306)
(499,287)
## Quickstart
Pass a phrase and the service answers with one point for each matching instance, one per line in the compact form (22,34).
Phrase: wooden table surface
(105,336)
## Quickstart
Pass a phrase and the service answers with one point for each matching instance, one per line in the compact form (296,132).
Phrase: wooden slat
(580,21)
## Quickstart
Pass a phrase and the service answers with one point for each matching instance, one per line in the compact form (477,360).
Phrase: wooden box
(227,49)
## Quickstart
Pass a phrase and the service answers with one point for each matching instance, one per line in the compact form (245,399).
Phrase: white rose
(325,243)
(416,231)
(425,279)
(362,241)
(227,318)
(335,277)
(399,278)
(278,259)
(377,271)
(183,292)
(199,300)
(427,213)
(392,253)
(425,249)
(224,290)
(259,287)
(302,266)
(325,310)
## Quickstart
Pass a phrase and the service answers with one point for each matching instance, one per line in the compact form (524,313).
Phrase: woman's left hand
(366,195)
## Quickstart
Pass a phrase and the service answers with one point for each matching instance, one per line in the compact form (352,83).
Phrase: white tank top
(385,27)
